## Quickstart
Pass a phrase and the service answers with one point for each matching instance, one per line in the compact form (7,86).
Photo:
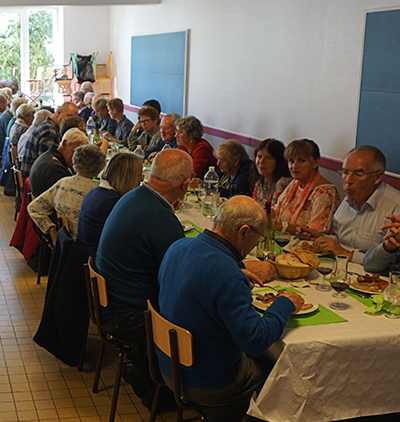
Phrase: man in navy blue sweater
(203,289)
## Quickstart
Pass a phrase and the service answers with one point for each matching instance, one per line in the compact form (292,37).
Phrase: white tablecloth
(333,371)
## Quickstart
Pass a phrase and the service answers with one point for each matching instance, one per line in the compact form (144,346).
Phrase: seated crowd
(139,246)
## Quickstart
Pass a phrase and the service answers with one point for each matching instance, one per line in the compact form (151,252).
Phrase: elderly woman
(234,168)
(24,118)
(122,174)
(310,199)
(66,196)
(149,121)
(106,123)
(84,111)
(270,173)
(189,132)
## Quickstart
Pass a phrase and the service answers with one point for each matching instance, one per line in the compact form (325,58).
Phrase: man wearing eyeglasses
(358,220)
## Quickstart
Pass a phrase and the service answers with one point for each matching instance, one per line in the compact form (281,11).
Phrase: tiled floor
(34,385)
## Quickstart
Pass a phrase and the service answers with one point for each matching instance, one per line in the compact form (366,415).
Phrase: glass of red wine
(340,282)
(282,239)
(326,266)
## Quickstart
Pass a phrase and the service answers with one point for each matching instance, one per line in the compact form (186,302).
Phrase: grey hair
(237,212)
(88,160)
(88,98)
(87,85)
(173,166)
(74,136)
(377,154)
(190,125)
(79,94)
(25,110)
(233,150)
(174,116)
(16,103)
(41,116)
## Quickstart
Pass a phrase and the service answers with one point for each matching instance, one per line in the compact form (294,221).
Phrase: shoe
(132,374)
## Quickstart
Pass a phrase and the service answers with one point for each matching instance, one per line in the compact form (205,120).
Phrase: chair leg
(83,351)
(117,383)
(95,388)
(154,406)
(179,414)
(42,247)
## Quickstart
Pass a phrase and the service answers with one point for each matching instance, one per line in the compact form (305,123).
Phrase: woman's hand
(195,182)
(314,233)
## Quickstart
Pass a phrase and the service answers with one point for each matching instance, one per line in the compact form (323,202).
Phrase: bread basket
(293,272)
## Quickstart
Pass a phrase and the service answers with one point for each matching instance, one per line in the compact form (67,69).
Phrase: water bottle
(90,128)
(139,153)
(210,186)
(166,146)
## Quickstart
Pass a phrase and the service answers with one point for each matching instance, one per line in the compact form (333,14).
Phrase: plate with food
(263,301)
(187,226)
(304,245)
(371,284)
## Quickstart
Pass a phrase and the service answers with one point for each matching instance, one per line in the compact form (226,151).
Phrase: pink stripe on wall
(328,163)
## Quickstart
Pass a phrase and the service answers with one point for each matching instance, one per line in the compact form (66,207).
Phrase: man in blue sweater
(203,289)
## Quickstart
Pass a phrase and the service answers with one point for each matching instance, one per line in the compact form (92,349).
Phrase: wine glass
(325,267)
(392,294)
(340,285)
(342,262)
(282,239)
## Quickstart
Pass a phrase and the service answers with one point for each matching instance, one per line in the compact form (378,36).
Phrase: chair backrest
(18,179)
(101,284)
(13,155)
(62,220)
(161,331)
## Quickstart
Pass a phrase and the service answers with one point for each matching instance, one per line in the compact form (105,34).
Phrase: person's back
(131,249)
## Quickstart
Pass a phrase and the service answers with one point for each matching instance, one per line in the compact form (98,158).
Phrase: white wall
(87,30)
(263,68)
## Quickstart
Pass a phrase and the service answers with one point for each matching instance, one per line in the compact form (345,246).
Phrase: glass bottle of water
(210,185)
(90,128)
(139,152)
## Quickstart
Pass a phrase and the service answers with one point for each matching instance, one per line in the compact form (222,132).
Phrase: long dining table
(344,365)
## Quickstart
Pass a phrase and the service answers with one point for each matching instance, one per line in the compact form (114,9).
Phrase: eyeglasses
(261,237)
(356,174)
(145,121)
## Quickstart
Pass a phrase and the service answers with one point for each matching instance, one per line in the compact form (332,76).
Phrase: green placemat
(322,316)
(365,301)
(192,232)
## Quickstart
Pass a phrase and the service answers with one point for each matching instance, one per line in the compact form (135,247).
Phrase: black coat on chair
(64,324)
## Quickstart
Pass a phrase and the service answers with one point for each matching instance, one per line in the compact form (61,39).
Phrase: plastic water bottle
(210,186)
(139,153)
(90,128)
(166,146)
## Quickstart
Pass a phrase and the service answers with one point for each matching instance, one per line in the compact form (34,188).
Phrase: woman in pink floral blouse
(270,173)
(309,199)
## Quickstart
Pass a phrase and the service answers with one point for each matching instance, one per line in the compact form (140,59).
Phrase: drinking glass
(340,282)
(342,262)
(282,239)
(199,191)
(392,294)
(326,266)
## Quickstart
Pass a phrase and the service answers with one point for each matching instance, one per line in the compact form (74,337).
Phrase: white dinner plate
(364,291)
(187,227)
(262,307)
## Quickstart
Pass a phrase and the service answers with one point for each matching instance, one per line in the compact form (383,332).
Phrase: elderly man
(167,129)
(203,290)
(55,163)
(358,220)
(45,135)
(87,87)
(124,125)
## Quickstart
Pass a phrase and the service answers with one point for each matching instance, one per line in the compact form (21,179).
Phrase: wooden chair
(18,183)
(97,296)
(177,343)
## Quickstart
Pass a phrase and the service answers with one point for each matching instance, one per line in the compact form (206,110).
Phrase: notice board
(158,70)
(379,109)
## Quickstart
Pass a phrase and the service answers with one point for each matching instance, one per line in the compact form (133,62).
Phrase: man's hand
(253,279)
(329,245)
(262,269)
(314,233)
(295,298)
(392,239)
(151,156)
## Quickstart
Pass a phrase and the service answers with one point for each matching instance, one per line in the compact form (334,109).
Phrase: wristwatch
(284,226)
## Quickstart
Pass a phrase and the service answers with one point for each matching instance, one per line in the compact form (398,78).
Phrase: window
(28,37)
